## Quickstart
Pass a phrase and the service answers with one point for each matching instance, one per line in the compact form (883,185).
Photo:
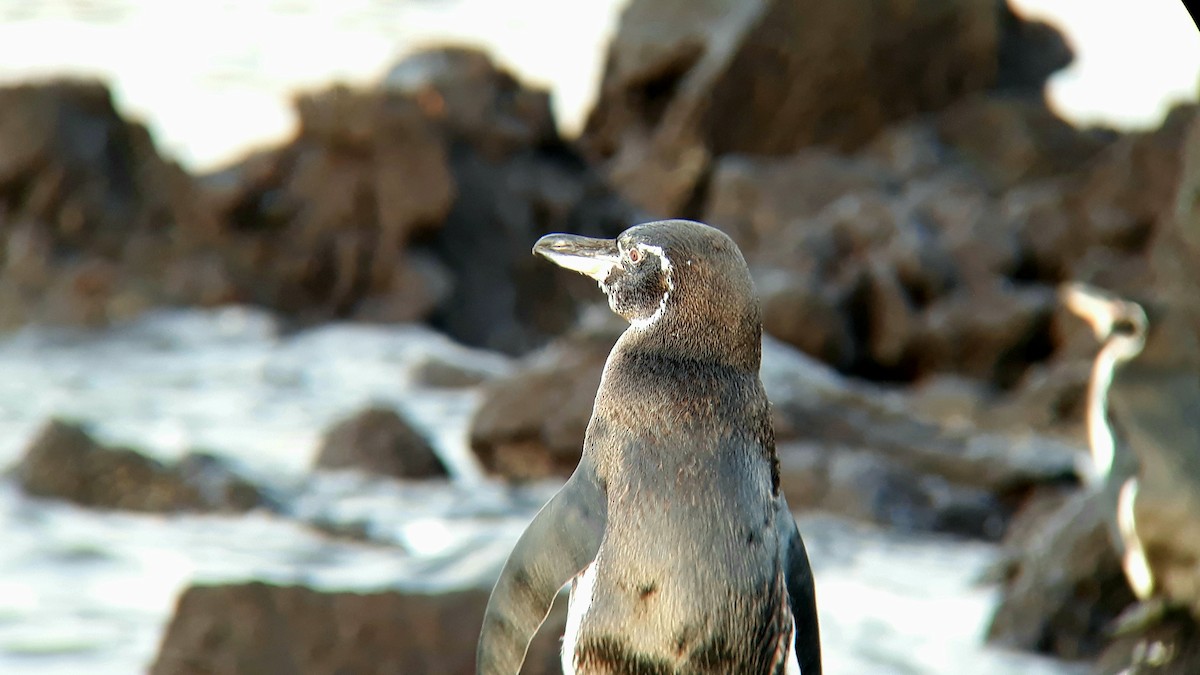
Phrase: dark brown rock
(822,408)
(806,315)
(87,207)
(868,486)
(262,629)
(685,84)
(1131,189)
(319,227)
(1170,645)
(1175,254)
(415,200)
(1065,586)
(992,334)
(467,95)
(418,200)
(63,462)
(516,180)
(1024,140)
(891,277)
(378,440)
(531,424)
(434,371)
(760,202)
(1030,52)
(218,486)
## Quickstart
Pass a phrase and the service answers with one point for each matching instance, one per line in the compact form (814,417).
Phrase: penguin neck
(1101,437)
(705,341)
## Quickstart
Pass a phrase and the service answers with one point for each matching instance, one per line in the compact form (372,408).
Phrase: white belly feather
(581,600)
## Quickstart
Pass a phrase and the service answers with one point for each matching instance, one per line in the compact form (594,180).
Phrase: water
(91,591)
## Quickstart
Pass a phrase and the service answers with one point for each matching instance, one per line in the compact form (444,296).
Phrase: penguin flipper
(562,539)
(801,592)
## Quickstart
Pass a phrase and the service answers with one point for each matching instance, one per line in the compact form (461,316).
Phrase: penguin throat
(642,323)
(1101,437)
(1100,432)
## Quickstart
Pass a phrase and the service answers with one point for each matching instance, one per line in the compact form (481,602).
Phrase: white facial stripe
(596,267)
(662,303)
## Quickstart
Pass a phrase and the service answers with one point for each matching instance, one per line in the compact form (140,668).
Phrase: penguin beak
(1092,305)
(593,257)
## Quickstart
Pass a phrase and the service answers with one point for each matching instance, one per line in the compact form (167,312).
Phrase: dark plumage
(684,555)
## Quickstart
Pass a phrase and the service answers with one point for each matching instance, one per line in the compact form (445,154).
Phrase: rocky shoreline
(906,200)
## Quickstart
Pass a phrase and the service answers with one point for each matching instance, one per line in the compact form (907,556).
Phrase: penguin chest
(607,631)
(582,588)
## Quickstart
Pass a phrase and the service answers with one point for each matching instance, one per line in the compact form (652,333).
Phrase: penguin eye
(1124,327)
(634,255)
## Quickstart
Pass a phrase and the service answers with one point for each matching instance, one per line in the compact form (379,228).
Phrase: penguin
(1148,466)
(1111,472)
(682,554)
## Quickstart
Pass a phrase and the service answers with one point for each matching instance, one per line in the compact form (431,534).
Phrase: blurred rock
(420,199)
(379,440)
(855,451)
(471,99)
(686,84)
(935,250)
(1030,52)
(87,209)
(415,200)
(1131,190)
(867,486)
(261,629)
(818,406)
(516,180)
(319,227)
(992,334)
(218,486)
(1168,646)
(434,371)
(843,275)
(531,424)
(1175,254)
(63,462)
(1065,585)
(1025,139)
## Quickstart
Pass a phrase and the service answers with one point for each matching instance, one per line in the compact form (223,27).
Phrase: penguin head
(1118,323)
(678,280)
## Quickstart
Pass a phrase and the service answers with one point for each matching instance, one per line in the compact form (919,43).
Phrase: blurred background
(281,384)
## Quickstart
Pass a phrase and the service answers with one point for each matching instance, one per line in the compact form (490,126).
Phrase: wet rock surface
(378,440)
(264,629)
(64,462)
